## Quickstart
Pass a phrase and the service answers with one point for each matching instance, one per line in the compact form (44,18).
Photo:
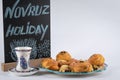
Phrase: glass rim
(24,48)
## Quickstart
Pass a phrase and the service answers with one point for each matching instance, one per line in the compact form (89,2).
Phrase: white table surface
(111,73)
(106,75)
(50,76)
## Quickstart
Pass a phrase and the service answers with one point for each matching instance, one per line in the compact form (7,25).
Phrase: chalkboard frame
(33,62)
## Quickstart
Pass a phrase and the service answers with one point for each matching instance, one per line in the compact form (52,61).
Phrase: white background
(81,27)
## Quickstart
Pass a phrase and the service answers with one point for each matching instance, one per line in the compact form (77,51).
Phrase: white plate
(23,73)
(76,73)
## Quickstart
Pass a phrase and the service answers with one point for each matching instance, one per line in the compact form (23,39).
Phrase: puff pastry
(63,55)
(97,59)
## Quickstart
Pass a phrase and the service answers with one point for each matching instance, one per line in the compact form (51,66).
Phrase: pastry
(72,60)
(64,68)
(49,63)
(96,67)
(62,62)
(45,61)
(81,67)
(63,55)
(54,67)
(97,59)
(65,63)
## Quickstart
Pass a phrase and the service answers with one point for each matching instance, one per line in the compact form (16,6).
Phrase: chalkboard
(26,23)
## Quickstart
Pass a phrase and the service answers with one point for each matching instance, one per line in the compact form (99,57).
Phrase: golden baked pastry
(96,67)
(72,60)
(54,67)
(97,59)
(64,68)
(65,63)
(87,67)
(63,55)
(45,61)
(49,63)
(81,67)
(62,62)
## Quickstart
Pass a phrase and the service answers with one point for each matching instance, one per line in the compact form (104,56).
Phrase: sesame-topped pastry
(63,55)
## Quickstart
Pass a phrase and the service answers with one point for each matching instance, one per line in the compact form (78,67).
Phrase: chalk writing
(17,11)
(29,29)
(44,49)
(26,23)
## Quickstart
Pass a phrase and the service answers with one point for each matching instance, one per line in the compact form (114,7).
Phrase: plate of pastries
(66,65)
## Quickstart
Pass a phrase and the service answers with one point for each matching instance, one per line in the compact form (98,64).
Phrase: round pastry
(49,63)
(86,67)
(63,55)
(45,61)
(62,62)
(74,67)
(96,59)
(64,68)
(81,67)
(53,65)
(72,60)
